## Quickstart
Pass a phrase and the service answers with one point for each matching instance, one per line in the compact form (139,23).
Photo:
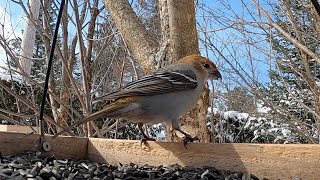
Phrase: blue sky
(12,16)
(226,39)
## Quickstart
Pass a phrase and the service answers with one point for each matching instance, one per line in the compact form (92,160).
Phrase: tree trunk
(94,13)
(28,38)
(182,29)
(178,19)
(65,91)
(179,28)
(141,43)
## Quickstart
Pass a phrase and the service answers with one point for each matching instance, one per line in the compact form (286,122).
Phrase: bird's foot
(145,139)
(188,139)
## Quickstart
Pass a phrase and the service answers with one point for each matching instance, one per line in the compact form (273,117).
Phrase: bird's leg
(187,138)
(172,134)
(145,138)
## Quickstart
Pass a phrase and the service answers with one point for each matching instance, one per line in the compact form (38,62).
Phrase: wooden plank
(16,128)
(62,147)
(272,161)
(3,127)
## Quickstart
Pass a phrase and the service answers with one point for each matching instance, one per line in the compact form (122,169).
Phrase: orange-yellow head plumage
(203,66)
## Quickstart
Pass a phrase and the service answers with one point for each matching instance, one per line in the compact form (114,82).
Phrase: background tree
(29,36)
(293,82)
(104,45)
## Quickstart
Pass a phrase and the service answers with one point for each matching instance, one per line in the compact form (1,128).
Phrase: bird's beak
(215,76)
(219,77)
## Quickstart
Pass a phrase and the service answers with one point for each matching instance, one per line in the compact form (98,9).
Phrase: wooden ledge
(272,161)
(62,147)
(16,128)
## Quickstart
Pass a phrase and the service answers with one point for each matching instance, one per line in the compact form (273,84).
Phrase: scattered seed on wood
(34,165)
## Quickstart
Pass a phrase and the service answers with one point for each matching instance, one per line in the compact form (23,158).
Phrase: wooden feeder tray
(271,161)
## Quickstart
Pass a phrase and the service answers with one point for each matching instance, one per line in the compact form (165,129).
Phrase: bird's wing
(99,114)
(157,83)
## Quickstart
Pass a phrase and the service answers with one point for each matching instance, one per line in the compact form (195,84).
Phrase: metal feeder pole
(43,144)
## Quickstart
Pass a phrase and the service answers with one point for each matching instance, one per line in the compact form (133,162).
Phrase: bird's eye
(205,65)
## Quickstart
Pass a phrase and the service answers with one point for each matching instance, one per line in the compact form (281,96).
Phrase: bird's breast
(170,106)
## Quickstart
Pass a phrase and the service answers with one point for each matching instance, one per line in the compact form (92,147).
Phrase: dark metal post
(45,146)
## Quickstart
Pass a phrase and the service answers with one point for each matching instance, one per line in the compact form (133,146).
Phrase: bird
(163,96)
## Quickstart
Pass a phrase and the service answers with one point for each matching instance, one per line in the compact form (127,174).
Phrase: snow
(229,114)
(262,109)
(285,132)
(162,135)
(235,115)
(7,77)
(230,125)
(215,110)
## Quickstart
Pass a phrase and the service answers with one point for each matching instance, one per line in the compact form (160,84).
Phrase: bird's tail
(105,112)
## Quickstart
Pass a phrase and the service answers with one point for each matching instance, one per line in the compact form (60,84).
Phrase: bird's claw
(145,139)
(188,139)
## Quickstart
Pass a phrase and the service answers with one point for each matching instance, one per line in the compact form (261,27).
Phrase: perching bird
(163,96)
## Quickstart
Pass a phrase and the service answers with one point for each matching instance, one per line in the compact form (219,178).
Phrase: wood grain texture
(62,147)
(16,128)
(272,161)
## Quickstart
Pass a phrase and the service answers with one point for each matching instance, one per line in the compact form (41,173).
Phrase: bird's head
(204,65)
